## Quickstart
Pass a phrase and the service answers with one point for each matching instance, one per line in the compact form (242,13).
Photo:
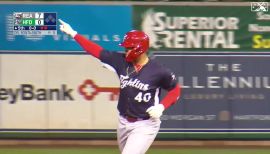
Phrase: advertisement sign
(200,28)
(219,91)
(103,24)
(57,92)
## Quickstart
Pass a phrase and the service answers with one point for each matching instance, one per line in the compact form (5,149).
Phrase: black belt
(133,119)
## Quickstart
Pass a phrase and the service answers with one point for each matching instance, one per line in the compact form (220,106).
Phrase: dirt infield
(180,144)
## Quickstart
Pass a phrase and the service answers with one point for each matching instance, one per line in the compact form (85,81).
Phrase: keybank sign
(63,92)
(28,92)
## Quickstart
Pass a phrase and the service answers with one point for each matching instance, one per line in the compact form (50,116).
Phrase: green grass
(115,151)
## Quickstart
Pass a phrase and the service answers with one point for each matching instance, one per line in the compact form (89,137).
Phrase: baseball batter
(141,80)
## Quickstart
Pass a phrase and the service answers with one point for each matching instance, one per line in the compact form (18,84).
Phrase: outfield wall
(219,52)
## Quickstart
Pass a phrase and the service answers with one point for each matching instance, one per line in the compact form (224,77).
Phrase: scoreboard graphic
(34,23)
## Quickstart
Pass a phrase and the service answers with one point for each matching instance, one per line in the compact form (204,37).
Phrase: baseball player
(141,80)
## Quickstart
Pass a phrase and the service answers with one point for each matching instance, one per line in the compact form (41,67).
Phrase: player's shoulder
(160,67)
(156,63)
(112,53)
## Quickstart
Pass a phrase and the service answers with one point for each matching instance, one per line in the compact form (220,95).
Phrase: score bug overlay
(35,23)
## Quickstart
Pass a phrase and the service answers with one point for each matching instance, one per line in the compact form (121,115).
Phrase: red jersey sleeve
(89,46)
(171,97)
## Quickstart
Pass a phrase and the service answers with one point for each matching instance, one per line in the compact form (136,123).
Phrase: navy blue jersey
(138,90)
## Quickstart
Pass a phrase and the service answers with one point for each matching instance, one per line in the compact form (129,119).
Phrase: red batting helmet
(138,41)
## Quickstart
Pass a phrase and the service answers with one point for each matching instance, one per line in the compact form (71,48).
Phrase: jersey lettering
(136,83)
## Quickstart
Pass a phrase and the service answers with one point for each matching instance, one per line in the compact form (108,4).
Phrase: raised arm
(89,46)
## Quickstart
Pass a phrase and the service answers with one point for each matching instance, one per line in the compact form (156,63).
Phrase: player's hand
(66,28)
(155,111)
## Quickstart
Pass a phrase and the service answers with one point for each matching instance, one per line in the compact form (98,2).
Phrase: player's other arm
(170,83)
(173,94)
(171,97)
(89,46)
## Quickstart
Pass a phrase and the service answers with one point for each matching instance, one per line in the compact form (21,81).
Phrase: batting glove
(66,28)
(155,111)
